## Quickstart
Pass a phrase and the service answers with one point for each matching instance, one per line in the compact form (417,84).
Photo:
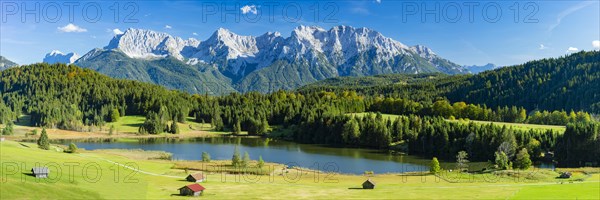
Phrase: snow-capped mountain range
(58,57)
(339,46)
(309,54)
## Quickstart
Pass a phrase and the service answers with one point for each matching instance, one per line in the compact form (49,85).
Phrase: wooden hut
(368,184)
(191,190)
(40,172)
(565,175)
(198,177)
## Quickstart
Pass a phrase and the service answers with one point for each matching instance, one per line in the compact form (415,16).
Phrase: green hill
(566,83)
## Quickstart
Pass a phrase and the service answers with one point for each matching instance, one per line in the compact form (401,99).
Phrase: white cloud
(168,27)
(71,28)
(378,1)
(194,33)
(542,47)
(116,31)
(572,49)
(596,44)
(249,9)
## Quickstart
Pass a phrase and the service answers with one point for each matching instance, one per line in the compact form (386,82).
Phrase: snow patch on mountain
(58,57)
(147,44)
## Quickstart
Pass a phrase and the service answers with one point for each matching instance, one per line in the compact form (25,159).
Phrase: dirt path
(129,167)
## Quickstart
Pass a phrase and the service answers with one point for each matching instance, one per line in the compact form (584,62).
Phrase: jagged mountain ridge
(309,54)
(6,63)
(475,69)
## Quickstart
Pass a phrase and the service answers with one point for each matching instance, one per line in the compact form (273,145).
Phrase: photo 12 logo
(468,11)
(53,172)
(53,12)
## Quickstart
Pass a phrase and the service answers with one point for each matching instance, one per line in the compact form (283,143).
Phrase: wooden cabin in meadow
(40,172)
(565,175)
(368,184)
(198,177)
(191,190)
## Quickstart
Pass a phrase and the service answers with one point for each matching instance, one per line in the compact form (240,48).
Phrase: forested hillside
(69,97)
(567,83)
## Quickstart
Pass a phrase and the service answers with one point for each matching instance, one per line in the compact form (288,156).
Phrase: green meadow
(102,175)
(519,126)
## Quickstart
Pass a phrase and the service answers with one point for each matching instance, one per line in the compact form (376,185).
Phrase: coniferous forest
(561,91)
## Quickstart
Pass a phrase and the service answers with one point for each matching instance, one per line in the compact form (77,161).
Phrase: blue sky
(465,32)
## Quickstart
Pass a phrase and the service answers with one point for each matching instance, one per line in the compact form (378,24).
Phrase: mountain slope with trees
(567,83)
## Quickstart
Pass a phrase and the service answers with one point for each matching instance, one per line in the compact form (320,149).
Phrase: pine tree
(237,127)
(435,166)
(461,160)
(246,160)
(236,159)
(263,128)
(522,161)
(205,157)
(174,128)
(114,115)
(111,131)
(261,162)
(8,130)
(43,141)
(501,160)
(351,132)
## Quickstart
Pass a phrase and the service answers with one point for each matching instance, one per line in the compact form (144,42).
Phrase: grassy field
(158,179)
(125,128)
(519,126)
(131,124)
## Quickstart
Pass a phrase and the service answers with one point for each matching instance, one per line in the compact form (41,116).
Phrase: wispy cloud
(360,10)
(542,47)
(71,28)
(168,27)
(567,12)
(194,33)
(13,41)
(596,44)
(572,49)
(377,1)
(249,9)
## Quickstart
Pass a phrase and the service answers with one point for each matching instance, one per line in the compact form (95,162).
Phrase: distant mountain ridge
(5,63)
(269,62)
(475,69)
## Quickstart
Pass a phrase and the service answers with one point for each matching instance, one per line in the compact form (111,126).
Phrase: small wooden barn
(368,184)
(191,190)
(198,177)
(565,175)
(40,172)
